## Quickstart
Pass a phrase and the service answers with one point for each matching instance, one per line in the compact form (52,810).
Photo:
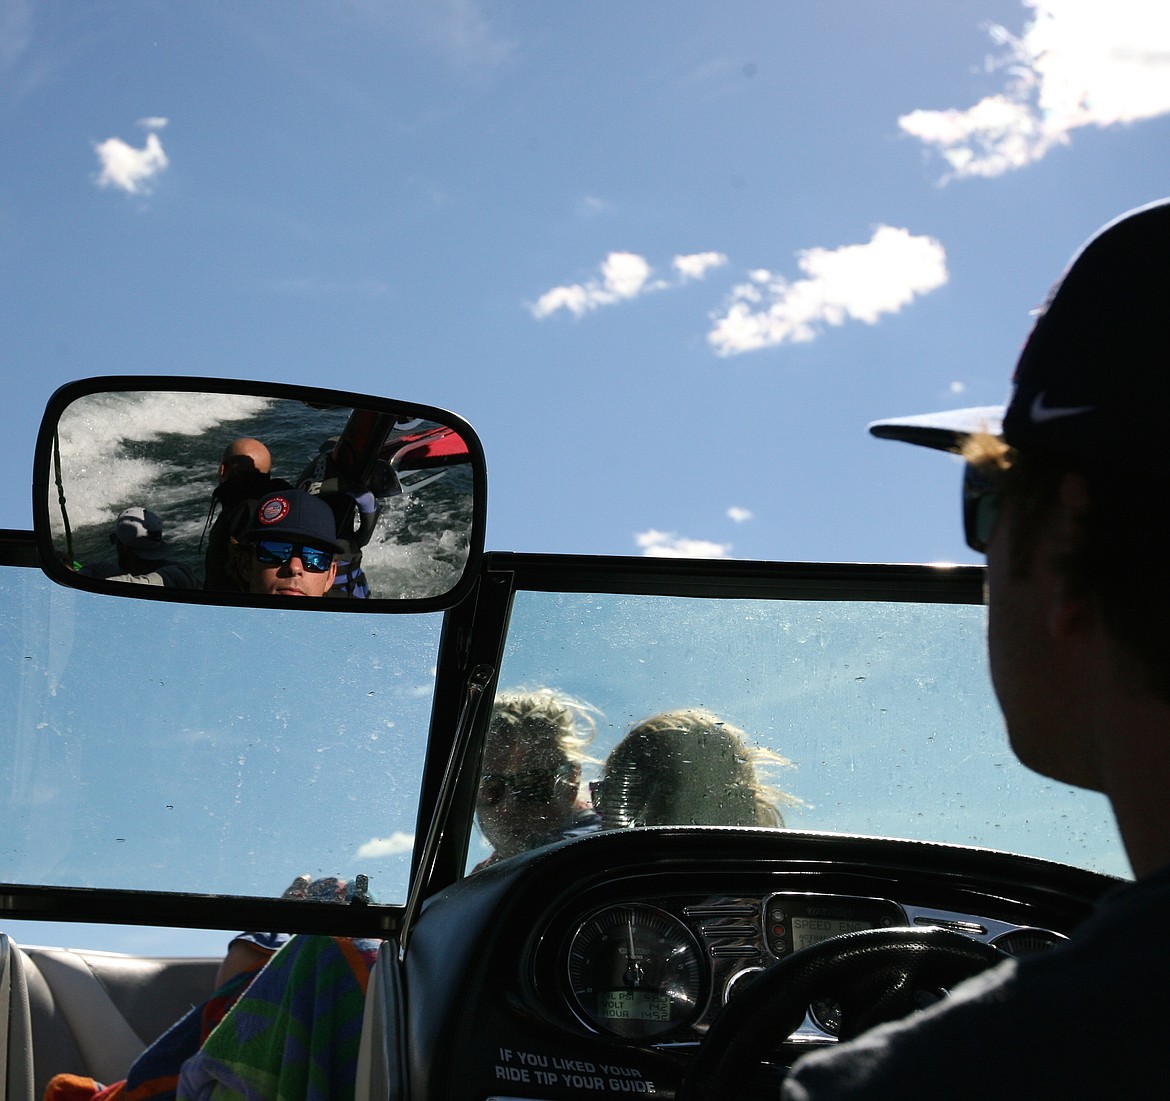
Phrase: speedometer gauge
(637,972)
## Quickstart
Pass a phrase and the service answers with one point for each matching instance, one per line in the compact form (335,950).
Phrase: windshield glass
(212,750)
(872,717)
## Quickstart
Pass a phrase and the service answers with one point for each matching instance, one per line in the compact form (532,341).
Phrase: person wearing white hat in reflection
(144,556)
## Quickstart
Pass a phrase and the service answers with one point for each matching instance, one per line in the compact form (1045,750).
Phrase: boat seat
(381,1065)
(87,1012)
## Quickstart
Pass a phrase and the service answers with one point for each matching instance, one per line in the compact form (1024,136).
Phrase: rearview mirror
(228,492)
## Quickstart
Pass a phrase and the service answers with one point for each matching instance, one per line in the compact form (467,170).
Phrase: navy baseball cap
(1093,381)
(294,515)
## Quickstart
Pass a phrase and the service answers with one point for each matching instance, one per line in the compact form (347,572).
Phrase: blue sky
(668,258)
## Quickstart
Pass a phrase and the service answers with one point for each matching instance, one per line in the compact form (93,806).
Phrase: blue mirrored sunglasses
(271,553)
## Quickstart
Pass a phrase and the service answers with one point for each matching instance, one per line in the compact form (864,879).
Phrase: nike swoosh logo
(1041,412)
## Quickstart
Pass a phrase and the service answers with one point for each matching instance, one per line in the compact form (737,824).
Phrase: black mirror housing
(229,492)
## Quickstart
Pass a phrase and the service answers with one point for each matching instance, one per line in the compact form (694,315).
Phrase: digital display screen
(807,931)
(633,1005)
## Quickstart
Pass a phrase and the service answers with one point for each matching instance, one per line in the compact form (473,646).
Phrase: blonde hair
(689,767)
(987,452)
(532,715)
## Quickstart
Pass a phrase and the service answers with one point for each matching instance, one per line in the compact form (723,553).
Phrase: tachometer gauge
(637,972)
(1027,941)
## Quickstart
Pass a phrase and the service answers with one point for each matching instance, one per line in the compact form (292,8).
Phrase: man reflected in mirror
(355,505)
(144,556)
(292,545)
(245,475)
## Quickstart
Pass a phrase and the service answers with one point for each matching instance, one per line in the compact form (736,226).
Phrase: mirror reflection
(234,493)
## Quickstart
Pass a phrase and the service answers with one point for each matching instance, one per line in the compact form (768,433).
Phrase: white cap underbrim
(944,431)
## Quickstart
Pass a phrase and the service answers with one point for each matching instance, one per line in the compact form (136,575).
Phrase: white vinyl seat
(381,1067)
(87,1012)
(16,1059)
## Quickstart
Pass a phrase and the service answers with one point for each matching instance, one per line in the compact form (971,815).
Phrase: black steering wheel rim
(874,974)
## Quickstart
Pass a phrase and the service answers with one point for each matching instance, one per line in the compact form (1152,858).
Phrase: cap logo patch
(273,510)
(1041,412)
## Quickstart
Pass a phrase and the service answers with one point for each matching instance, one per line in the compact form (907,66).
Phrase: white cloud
(624,275)
(154,122)
(1078,63)
(393,845)
(577,299)
(129,169)
(957,387)
(739,515)
(667,544)
(697,264)
(855,282)
(591,206)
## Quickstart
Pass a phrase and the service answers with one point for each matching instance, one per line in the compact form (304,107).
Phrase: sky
(669,259)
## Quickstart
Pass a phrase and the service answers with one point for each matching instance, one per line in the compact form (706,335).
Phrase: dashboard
(596,967)
(660,968)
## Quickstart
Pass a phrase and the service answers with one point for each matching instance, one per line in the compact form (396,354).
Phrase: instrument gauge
(637,972)
(1027,941)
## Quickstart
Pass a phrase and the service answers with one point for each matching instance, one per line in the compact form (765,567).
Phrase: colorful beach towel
(294,1034)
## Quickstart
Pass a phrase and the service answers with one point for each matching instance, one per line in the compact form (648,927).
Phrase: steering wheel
(874,975)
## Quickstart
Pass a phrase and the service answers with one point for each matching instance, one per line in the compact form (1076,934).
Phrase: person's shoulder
(100,570)
(267,942)
(247,488)
(1027,1011)
(940,1052)
(175,575)
(583,820)
(1155,884)
(1134,906)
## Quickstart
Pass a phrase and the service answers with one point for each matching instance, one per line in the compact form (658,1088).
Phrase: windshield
(872,717)
(211,750)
